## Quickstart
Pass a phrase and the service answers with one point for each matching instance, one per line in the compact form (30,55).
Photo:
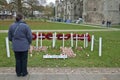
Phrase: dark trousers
(21,62)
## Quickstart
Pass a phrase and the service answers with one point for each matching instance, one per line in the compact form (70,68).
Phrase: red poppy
(89,38)
(34,36)
(74,36)
(67,36)
(43,35)
(81,36)
(59,36)
(49,36)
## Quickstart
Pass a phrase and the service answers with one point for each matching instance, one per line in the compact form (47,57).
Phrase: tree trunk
(19,6)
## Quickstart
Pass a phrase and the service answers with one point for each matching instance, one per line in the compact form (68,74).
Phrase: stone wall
(92,11)
(97,10)
(112,11)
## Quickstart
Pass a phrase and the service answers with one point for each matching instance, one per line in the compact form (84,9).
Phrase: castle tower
(112,10)
(94,11)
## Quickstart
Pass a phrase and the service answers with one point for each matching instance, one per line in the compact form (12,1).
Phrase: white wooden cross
(37,40)
(41,37)
(85,40)
(7,47)
(63,39)
(53,39)
(71,39)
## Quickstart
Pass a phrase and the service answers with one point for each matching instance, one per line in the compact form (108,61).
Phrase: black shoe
(24,74)
(18,75)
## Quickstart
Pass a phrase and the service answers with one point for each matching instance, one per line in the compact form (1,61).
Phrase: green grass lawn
(110,49)
(4,25)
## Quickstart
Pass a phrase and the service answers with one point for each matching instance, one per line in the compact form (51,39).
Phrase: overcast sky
(48,1)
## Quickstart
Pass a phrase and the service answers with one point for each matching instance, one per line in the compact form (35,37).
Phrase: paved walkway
(82,30)
(63,74)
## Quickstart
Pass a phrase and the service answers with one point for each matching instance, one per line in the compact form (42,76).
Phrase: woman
(21,37)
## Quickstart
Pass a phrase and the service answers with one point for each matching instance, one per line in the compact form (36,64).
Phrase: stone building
(92,11)
(58,9)
(69,9)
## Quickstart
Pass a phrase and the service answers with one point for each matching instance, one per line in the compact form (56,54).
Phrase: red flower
(34,36)
(81,36)
(49,35)
(89,38)
(43,35)
(68,36)
(59,36)
(74,36)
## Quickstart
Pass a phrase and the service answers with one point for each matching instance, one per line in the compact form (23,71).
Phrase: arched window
(94,9)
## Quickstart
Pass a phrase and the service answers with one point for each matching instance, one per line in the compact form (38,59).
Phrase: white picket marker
(92,43)
(63,40)
(7,47)
(76,40)
(86,38)
(54,39)
(84,41)
(41,36)
(100,46)
(37,40)
(71,39)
